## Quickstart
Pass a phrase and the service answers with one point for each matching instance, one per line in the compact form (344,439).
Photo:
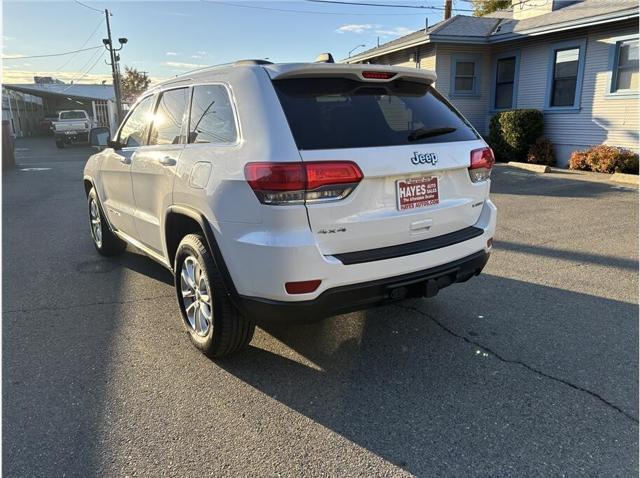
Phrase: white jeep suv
(293,192)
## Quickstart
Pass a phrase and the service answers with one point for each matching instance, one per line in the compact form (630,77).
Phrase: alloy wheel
(196,296)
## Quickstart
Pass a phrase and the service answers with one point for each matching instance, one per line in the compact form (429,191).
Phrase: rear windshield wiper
(428,132)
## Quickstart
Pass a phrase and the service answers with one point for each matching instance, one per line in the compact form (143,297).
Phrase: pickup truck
(72,126)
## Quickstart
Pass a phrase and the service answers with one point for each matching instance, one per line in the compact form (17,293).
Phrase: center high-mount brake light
(378,75)
(482,160)
(297,183)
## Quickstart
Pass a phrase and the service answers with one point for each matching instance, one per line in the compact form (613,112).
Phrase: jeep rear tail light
(295,183)
(482,160)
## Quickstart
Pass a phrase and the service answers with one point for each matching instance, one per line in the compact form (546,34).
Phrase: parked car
(72,126)
(293,192)
(46,124)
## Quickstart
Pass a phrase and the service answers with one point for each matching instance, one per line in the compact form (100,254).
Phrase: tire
(60,144)
(225,330)
(104,240)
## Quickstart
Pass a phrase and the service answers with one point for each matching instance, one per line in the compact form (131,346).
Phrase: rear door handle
(167,161)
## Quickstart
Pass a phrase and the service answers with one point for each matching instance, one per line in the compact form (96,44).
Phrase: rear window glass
(333,113)
(73,115)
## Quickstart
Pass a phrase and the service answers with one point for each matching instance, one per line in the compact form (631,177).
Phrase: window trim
(614,55)
(187,109)
(477,69)
(494,80)
(234,110)
(581,44)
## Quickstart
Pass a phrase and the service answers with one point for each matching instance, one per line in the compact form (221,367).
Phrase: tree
(134,83)
(482,7)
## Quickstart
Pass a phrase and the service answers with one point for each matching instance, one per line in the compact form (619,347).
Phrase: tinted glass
(73,115)
(132,132)
(340,113)
(504,95)
(506,70)
(212,119)
(564,92)
(168,117)
(464,84)
(465,68)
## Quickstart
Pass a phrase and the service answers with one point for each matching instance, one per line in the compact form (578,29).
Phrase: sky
(169,38)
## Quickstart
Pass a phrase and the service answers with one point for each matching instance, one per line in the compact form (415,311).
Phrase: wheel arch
(182,220)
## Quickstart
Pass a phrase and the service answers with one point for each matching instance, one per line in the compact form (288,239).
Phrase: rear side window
(332,113)
(212,119)
(168,117)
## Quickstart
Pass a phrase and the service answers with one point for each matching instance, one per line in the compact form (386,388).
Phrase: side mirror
(99,137)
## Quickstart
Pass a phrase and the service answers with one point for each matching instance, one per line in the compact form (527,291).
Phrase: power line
(385,5)
(87,6)
(85,73)
(83,45)
(307,12)
(52,54)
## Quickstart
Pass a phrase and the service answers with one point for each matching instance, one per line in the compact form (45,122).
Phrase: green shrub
(605,159)
(541,152)
(511,133)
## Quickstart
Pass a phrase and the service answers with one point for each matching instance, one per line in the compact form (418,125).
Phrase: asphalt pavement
(530,369)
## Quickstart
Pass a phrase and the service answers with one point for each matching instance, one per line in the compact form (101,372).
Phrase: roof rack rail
(252,62)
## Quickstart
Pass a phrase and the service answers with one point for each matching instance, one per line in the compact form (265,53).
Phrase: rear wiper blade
(428,132)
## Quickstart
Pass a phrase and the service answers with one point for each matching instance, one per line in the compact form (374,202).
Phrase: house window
(465,76)
(625,71)
(505,79)
(565,77)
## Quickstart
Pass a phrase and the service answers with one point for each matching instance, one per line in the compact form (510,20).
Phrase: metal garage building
(26,105)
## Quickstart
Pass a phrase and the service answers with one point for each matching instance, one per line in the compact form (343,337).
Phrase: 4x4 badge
(424,158)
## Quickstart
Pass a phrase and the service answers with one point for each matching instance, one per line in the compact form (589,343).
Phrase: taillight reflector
(302,287)
(378,75)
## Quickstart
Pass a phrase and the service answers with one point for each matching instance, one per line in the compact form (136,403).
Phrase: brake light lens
(378,75)
(297,183)
(482,161)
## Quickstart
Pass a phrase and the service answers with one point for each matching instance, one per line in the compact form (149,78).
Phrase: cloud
(171,53)
(396,32)
(356,28)
(183,66)
(10,56)
(26,76)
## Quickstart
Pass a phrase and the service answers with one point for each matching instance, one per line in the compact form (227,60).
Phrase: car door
(153,167)
(115,171)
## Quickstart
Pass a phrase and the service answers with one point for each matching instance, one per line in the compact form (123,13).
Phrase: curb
(625,178)
(536,168)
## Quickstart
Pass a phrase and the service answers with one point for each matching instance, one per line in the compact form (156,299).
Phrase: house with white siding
(576,61)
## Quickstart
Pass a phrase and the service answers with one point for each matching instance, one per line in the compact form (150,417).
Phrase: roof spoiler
(358,72)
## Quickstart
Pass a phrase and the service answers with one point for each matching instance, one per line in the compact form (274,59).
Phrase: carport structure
(97,100)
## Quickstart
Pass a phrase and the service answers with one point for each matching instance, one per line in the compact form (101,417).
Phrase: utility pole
(115,67)
(447,9)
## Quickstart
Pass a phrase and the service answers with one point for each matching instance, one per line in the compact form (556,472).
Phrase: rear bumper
(339,300)
(73,137)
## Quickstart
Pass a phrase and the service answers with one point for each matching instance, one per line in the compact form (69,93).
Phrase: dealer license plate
(417,192)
